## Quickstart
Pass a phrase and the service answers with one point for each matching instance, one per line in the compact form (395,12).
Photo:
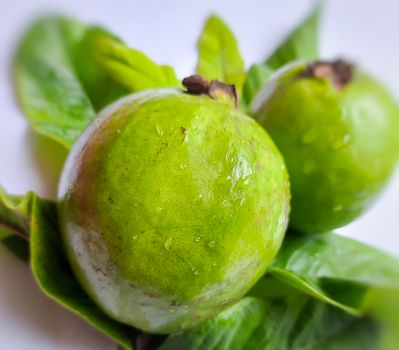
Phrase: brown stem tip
(197,85)
(339,72)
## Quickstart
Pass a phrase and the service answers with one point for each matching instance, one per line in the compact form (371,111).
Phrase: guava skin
(171,207)
(340,146)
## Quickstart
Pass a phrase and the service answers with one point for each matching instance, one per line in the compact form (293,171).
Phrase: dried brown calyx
(339,72)
(197,85)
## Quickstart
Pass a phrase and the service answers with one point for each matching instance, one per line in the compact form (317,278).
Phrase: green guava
(338,132)
(172,205)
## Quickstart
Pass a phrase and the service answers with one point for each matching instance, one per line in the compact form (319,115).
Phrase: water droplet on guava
(347,139)
(135,237)
(168,243)
(338,144)
(211,244)
(198,239)
(337,208)
(159,130)
(194,271)
(226,203)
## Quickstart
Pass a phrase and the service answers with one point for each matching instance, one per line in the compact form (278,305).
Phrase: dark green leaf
(335,269)
(48,88)
(35,218)
(294,323)
(361,335)
(301,44)
(130,67)
(219,54)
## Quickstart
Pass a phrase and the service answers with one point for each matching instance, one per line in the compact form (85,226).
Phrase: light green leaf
(101,88)
(132,68)
(335,269)
(219,54)
(36,219)
(256,78)
(301,44)
(48,88)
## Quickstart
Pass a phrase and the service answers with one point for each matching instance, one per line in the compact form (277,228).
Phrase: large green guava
(172,206)
(338,132)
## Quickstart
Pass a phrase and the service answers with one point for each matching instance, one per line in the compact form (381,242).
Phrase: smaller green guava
(172,205)
(338,132)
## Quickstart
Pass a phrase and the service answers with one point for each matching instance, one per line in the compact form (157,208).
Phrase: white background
(366,31)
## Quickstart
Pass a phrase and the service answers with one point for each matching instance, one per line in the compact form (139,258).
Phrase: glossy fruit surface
(339,141)
(171,207)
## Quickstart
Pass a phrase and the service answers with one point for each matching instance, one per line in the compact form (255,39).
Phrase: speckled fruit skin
(171,207)
(340,147)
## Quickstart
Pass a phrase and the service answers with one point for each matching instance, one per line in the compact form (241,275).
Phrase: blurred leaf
(335,269)
(294,323)
(301,44)
(389,339)
(257,76)
(384,306)
(48,88)
(219,54)
(101,88)
(130,67)
(36,218)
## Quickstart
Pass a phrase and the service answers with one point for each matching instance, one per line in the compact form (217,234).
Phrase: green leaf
(130,67)
(101,88)
(294,323)
(256,78)
(335,269)
(48,88)
(219,54)
(35,218)
(301,44)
